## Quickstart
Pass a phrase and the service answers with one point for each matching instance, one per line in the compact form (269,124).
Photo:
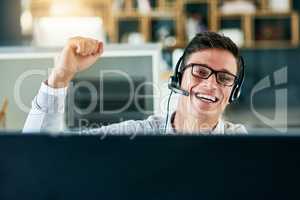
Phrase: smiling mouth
(206,98)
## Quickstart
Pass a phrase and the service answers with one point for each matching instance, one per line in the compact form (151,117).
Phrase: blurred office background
(266,30)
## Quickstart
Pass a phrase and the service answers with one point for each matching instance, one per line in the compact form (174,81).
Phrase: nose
(210,82)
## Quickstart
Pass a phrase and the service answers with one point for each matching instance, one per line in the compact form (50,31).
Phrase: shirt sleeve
(47,110)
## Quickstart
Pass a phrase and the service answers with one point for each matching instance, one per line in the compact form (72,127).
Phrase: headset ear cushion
(231,97)
(237,87)
(235,93)
(172,81)
(179,77)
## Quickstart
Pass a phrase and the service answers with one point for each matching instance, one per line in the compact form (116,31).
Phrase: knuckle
(73,39)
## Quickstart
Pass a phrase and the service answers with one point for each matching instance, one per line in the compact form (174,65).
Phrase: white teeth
(207,97)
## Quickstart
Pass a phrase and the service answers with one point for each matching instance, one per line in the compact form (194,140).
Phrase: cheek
(187,85)
(186,82)
(226,94)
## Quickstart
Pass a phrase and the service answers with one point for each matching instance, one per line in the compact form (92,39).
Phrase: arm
(47,112)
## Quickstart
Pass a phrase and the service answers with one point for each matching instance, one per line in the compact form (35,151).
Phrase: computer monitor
(126,84)
(149,167)
(21,73)
(24,68)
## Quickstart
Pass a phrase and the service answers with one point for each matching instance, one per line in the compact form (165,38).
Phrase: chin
(200,109)
(198,112)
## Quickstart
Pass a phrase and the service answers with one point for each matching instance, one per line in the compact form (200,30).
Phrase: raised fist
(78,55)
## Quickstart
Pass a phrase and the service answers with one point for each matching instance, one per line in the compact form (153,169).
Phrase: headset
(175,81)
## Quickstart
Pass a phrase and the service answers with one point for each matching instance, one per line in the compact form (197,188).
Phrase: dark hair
(210,40)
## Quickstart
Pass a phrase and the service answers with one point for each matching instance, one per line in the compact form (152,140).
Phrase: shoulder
(155,119)
(231,128)
(155,122)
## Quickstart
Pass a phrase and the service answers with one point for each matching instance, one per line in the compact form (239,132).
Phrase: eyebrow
(205,65)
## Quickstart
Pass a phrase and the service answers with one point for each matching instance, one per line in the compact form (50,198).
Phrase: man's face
(207,97)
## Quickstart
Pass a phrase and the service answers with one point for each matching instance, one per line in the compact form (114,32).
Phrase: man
(209,69)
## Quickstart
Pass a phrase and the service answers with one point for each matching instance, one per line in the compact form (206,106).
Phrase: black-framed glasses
(204,72)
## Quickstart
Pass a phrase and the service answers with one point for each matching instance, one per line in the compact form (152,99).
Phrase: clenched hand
(78,55)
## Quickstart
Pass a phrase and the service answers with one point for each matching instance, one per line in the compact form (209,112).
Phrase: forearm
(59,78)
(47,112)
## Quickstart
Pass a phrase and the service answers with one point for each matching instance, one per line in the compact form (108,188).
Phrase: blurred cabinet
(153,19)
(262,28)
(266,27)
(148,15)
(169,13)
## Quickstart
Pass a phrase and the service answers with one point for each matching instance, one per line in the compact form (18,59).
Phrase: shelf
(268,44)
(176,46)
(174,11)
(268,14)
(136,14)
(162,14)
(220,14)
(122,15)
(195,1)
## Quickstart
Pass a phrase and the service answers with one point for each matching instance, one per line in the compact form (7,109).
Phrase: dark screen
(148,167)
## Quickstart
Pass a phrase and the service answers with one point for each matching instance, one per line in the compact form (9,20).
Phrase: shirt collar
(219,129)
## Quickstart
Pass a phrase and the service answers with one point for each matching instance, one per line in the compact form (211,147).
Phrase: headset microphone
(174,81)
(177,89)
